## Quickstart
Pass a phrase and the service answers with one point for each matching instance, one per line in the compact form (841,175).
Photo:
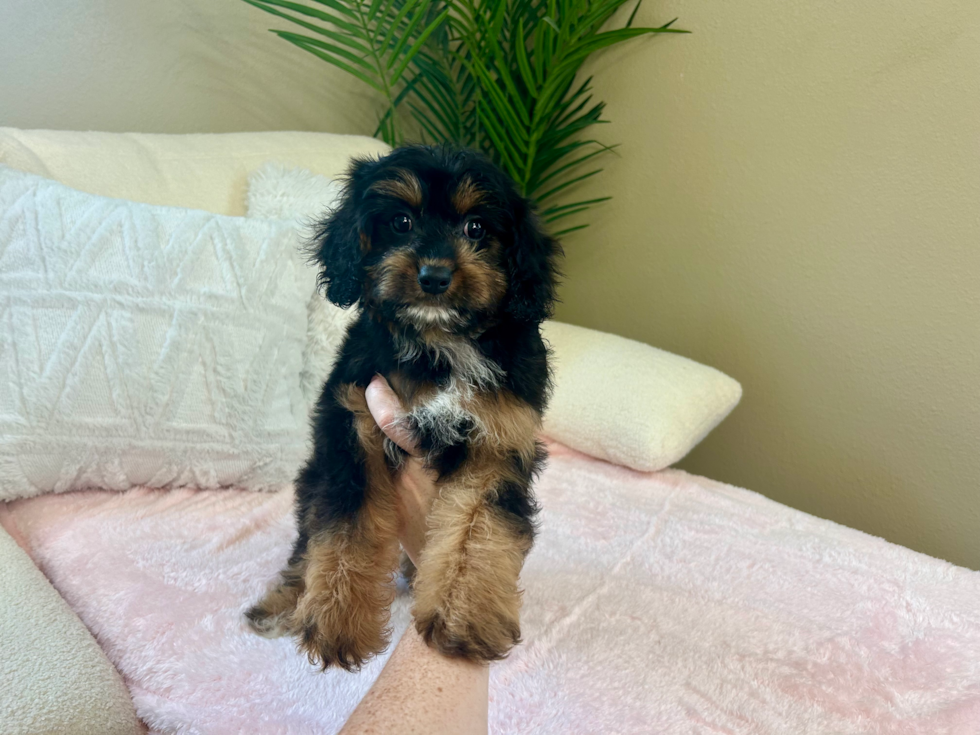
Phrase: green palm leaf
(497,75)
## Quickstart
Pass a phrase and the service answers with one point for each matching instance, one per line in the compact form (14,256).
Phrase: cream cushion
(55,678)
(614,398)
(200,171)
(629,403)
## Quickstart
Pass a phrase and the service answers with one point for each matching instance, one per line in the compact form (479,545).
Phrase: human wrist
(415,496)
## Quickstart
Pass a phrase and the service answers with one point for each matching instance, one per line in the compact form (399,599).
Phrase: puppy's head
(436,237)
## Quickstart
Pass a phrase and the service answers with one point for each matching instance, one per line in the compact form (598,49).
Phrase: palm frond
(501,76)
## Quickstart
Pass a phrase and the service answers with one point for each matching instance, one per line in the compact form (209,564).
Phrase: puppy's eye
(401,223)
(474,229)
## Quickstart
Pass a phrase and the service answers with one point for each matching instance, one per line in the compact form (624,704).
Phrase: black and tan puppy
(452,275)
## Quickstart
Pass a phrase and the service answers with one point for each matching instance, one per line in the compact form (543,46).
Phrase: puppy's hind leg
(271,616)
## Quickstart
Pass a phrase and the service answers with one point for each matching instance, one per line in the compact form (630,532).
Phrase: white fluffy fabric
(301,197)
(144,345)
(654,603)
(276,191)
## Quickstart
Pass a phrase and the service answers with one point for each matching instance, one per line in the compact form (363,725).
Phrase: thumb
(386,409)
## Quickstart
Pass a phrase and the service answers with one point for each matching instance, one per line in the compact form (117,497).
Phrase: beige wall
(797,203)
(166,66)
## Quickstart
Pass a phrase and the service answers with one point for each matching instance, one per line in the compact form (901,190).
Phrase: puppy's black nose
(435,279)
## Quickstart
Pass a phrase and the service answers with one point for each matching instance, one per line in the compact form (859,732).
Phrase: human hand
(415,484)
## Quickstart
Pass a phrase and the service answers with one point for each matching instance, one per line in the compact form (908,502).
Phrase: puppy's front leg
(348,529)
(467,597)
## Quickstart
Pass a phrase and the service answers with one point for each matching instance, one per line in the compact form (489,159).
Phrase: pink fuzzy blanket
(656,603)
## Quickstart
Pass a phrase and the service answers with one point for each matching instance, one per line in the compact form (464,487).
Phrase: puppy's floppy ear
(336,243)
(532,267)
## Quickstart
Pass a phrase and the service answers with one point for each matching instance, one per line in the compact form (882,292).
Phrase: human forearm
(421,691)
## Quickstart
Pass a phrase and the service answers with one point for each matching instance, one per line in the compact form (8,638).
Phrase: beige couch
(55,677)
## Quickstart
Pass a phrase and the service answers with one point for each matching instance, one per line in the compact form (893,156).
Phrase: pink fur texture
(655,603)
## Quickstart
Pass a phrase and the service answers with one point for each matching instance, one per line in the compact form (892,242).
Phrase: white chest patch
(445,417)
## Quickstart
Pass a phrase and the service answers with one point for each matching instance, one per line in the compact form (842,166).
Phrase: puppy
(452,275)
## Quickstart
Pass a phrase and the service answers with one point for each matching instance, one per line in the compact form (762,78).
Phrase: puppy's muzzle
(435,279)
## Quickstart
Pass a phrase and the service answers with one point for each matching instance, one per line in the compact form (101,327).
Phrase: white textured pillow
(615,399)
(146,345)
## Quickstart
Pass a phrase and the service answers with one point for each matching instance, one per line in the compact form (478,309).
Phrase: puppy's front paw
(326,645)
(485,637)
(342,619)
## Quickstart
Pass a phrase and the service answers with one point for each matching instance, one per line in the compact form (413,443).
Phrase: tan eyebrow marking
(404,186)
(467,196)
